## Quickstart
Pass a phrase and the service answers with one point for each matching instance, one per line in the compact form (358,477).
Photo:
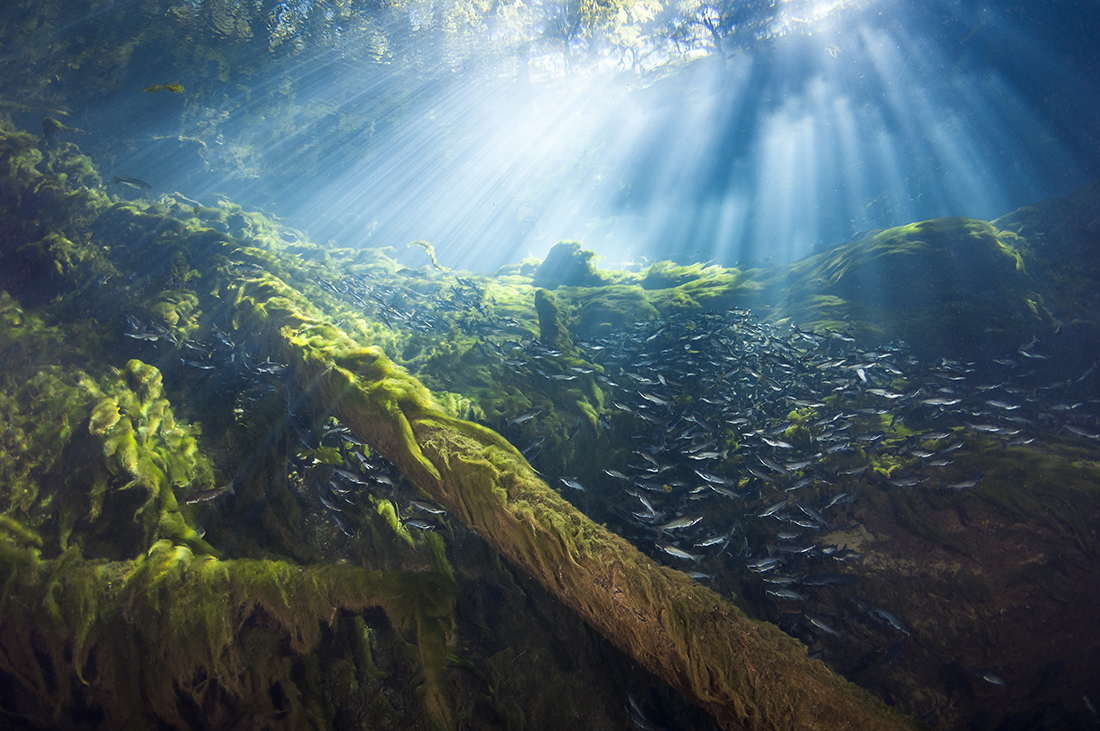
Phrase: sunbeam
(846,117)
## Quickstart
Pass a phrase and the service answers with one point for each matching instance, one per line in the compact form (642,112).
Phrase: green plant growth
(145,641)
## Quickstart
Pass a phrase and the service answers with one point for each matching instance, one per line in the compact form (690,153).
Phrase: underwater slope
(552,372)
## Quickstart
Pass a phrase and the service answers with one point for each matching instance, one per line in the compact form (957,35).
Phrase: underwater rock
(612,309)
(568,264)
(552,330)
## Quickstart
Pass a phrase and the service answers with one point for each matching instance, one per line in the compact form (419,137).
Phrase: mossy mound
(950,287)
(568,264)
(610,309)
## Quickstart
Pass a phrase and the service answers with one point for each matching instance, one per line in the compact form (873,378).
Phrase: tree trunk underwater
(747,674)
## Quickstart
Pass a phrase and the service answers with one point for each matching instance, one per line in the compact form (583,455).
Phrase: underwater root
(747,674)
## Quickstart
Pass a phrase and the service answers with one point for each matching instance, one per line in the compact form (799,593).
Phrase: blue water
(369,126)
(874,116)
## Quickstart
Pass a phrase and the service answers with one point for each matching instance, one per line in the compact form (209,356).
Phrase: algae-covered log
(748,674)
(117,635)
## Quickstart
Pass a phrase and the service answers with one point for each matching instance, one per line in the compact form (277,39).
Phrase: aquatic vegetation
(309,361)
(609,309)
(58,418)
(145,639)
(484,481)
(174,88)
(568,264)
(430,251)
(552,330)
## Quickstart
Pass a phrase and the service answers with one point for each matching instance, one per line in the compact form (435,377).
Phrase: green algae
(552,329)
(568,264)
(610,309)
(283,313)
(485,482)
(244,638)
(58,418)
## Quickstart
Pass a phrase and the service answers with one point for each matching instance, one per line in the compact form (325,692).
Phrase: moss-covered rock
(568,264)
(552,329)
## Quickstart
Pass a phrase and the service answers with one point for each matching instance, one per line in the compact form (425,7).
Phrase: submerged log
(747,674)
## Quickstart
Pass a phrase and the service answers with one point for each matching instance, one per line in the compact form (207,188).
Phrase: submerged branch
(748,674)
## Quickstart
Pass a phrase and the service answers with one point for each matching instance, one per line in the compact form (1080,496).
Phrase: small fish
(940,401)
(427,507)
(524,417)
(777,443)
(270,368)
(963,484)
(883,393)
(328,504)
(725,492)
(908,481)
(533,449)
(194,363)
(780,579)
(855,470)
(654,399)
(819,622)
(755,472)
(685,521)
(1073,429)
(134,183)
(222,336)
(351,477)
(203,496)
(760,565)
(712,479)
(773,465)
(828,579)
(571,483)
(342,524)
(773,509)
(143,335)
(679,552)
(814,515)
(884,617)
